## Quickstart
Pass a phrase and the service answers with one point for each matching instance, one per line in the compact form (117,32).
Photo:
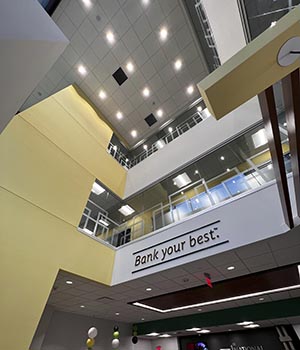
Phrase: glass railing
(189,200)
(180,129)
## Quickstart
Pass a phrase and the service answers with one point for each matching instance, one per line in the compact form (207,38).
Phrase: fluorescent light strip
(239,297)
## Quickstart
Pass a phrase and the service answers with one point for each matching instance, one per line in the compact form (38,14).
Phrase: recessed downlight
(153,334)
(228,170)
(190,89)
(133,133)
(82,70)
(146,92)
(145,147)
(69,282)
(245,323)
(117,313)
(126,210)
(130,67)
(159,113)
(230,268)
(199,109)
(254,325)
(204,331)
(110,37)
(82,306)
(170,129)
(261,299)
(178,64)
(222,158)
(102,94)
(165,336)
(148,289)
(119,115)
(194,329)
(87,3)
(163,33)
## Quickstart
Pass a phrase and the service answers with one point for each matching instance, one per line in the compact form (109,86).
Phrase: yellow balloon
(90,343)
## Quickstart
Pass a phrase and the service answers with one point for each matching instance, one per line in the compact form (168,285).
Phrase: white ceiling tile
(163,94)
(90,59)
(100,47)
(190,53)
(135,117)
(120,23)
(110,85)
(167,73)
(183,37)
(155,14)
(127,107)
(88,31)
(144,110)
(110,63)
(98,18)
(75,13)
(128,88)
(54,76)
(110,7)
(142,27)
(169,106)
(47,85)
(120,52)
(151,44)
(62,66)
(101,72)
(79,44)
(180,98)
(168,6)
(57,13)
(111,104)
(184,77)
(176,19)
(138,80)
(288,255)
(259,260)
(148,70)
(70,55)
(159,60)
(131,40)
(92,82)
(66,26)
(252,250)
(140,56)
(137,99)
(171,49)
(285,241)
(119,96)
(72,76)
(156,83)
(133,10)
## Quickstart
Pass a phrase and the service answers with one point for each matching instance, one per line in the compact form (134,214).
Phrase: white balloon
(92,333)
(115,343)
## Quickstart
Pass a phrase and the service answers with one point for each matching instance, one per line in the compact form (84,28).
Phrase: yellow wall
(45,180)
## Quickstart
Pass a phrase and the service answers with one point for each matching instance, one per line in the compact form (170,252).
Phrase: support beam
(268,109)
(291,95)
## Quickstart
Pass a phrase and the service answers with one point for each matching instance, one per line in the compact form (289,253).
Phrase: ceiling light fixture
(163,33)
(87,3)
(133,133)
(103,222)
(194,329)
(190,89)
(145,2)
(178,64)
(148,289)
(69,282)
(97,189)
(102,94)
(204,331)
(126,210)
(110,37)
(199,109)
(153,334)
(146,92)
(261,299)
(170,129)
(130,67)
(230,268)
(145,147)
(222,158)
(196,172)
(142,319)
(160,144)
(182,180)
(159,113)
(245,323)
(259,138)
(165,336)
(273,24)
(254,325)
(82,70)
(89,232)
(119,115)
(228,170)
(117,313)
(284,124)
(82,306)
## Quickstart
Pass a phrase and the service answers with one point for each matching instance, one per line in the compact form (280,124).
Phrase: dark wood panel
(258,282)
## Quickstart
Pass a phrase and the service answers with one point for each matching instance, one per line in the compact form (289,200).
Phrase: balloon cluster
(92,333)
(134,333)
(115,342)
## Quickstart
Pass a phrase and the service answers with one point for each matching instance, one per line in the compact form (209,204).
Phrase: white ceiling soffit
(30,44)
(135,27)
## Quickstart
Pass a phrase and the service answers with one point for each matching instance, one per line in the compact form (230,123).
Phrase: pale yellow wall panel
(251,70)
(37,170)
(34,245)
(84,114)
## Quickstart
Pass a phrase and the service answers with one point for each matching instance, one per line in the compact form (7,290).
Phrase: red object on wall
(190,346)
(208,280)
(158,347)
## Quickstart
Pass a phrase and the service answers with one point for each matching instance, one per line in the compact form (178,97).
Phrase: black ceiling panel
(120,76)
(150,120)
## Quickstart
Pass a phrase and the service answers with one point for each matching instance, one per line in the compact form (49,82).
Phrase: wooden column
(291,96)
(268,108)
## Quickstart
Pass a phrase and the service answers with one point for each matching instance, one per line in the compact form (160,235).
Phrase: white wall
(252,217)
(195,142)
(30,43)
(297,329)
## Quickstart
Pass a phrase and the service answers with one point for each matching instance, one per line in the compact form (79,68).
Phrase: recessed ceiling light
(199,309)
(245,323)
(87,3)
(160,144)
(222,158)
(170,129)
(102,94)
(284,124)
(194,329)
(273,24)
(119,115)
(117,313)
(153,334)
(115,148)
(159,113)
(110,37)
(82,70)
(69,282)
(178,64)
(230,268)
(82,306)
(104,222)
(165,336)
(163,34)
(146,92)
(130,67)
(204,331)
(196,172)
(252,326)
(126,210)
(228,170)
(133,133)
(199,109)
(97,189)
(145,147)
(259,138)
(127,160)
(261,299)
(145,2)
(148,289)
(190,89)
(142,319)
(182,180)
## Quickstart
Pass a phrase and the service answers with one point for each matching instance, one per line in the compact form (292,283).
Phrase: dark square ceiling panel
(150,120)
(120,76)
